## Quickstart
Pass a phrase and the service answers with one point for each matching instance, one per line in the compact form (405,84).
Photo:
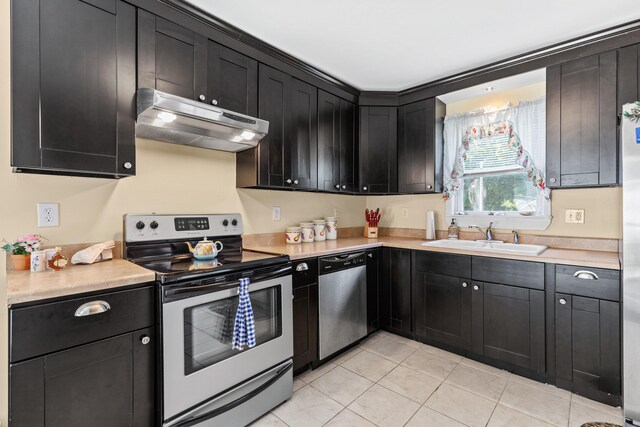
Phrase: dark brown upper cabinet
(420,146)
(378,150)
(171,58)
(337,152)
(287,157)
(582,134)
(73,87)
(232,80)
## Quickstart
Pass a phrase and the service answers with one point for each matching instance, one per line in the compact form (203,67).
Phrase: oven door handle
(225,285)
(229,406)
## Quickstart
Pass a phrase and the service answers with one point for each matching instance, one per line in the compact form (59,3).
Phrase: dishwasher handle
(341,262)
(342,257)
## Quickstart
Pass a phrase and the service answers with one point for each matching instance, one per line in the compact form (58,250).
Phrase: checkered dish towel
(244,330)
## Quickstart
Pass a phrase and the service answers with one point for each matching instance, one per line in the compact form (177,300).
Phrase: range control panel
(151,227)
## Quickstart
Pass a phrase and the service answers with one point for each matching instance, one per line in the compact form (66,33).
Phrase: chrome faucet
(488,235)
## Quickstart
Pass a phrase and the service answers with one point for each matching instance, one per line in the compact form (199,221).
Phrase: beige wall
(603,206)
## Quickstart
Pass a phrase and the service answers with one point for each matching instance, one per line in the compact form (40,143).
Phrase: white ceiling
(394,45)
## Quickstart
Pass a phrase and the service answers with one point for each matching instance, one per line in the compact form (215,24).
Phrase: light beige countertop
(24,286)
(584,258)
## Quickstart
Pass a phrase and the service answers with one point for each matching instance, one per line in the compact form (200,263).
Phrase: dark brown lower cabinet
(106,383)
(588,347)
(374,269)
(507,324)
(395,295)
(305,313)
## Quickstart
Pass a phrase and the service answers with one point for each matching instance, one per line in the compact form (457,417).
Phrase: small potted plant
(21,250)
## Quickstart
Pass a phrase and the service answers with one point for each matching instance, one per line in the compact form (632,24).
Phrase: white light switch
(48,215)
(574,216)
(275,215)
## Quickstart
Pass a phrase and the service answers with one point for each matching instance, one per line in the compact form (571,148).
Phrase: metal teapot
(205,249)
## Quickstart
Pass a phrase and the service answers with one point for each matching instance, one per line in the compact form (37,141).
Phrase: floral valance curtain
(524,125)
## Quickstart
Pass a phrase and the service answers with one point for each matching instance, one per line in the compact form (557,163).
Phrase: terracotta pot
(21,262)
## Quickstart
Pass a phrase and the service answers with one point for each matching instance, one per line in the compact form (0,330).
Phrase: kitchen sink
(484,246)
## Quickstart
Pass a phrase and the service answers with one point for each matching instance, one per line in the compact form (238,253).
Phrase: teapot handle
(218,249)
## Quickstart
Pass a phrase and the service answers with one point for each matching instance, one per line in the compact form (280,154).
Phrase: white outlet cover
(275,215)
(48,214)
(336,212)
(405,212)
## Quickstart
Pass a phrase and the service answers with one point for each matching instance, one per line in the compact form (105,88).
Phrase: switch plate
(48,214)
(574,216)
(275,214)
(336,212)
(405,213)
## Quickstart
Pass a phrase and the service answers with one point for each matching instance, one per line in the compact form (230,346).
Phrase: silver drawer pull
(562,301)
(585,274)
(302,267)
(92,307)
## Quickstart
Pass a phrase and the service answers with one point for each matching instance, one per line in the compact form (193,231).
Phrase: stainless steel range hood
(178,120)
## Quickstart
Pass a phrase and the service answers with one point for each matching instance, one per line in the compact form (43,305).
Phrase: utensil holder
(370,232)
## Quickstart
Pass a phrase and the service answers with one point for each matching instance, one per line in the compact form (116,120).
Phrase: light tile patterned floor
(389,380)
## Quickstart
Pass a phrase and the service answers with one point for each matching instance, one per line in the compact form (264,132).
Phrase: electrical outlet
(275,214)
(48,215)
(336,212)
(574,216)
(405,213)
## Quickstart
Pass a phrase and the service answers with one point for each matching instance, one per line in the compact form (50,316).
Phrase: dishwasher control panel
(341,262)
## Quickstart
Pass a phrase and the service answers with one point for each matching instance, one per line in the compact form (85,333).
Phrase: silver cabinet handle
(303,266)
(562,301)
(552,180)
(214,102)
(364,188)
(289,181)
(202,97)
(429,187)
(476,287)
(127,165)
(145,339)
(585,274)
(344,187)
(464,284)
(92,307)
(370,255)
(337,186)
(295,181)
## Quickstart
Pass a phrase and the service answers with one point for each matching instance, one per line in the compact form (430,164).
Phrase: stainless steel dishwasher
(342,294)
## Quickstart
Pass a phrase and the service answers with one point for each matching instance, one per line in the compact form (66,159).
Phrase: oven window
(208,328)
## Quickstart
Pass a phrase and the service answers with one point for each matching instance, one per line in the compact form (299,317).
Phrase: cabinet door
(442,310)
(582,136)
(374,268)
(378,150)
(107,383)
(328,141)
(73,85)
(273,93)
(348,147)
(301,149)
(395,304)
(508,324)
(171,58)
(305,325)
(232,79)
(420,146)
(588,345)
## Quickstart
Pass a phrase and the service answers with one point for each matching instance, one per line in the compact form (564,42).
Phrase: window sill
(502,222)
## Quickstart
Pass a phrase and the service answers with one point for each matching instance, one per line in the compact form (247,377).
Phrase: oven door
(198,361)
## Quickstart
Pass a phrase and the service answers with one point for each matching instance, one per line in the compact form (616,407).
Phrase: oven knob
(234,222)
(153,225)
(140,225)
(145,339)
(225,222)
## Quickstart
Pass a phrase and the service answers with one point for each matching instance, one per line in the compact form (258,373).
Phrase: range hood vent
(170,118)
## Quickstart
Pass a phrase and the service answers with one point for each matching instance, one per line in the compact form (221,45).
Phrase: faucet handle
(516,237)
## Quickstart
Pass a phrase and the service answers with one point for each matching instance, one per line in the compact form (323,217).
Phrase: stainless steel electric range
(204,381)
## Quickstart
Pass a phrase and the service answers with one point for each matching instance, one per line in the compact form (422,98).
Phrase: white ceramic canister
(38,261)
(331,227)
(293,235)
(307,232)
(319,232)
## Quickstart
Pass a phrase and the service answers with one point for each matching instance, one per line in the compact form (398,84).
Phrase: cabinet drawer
(588,282)
(509,272)
(444,264)
(55,326)
(305,272)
